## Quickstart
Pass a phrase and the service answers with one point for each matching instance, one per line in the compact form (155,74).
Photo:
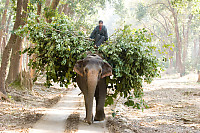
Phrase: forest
(153,49)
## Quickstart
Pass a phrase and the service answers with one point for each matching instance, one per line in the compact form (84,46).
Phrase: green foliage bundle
(57,47)
(133,63)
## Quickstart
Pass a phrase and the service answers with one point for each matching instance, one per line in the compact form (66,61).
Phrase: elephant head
(91,69)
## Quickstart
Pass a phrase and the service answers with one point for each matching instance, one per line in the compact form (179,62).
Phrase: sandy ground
(28,106)
(174,107)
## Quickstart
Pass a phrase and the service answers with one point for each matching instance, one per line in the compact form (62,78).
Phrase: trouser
(99,40)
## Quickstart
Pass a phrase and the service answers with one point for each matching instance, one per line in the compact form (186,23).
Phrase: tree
(173,21)
(52,9)
(15,55)
(3,24)
(12,41)
(178,39)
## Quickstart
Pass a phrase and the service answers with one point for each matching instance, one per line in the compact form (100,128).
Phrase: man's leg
(97,38)
(100,41)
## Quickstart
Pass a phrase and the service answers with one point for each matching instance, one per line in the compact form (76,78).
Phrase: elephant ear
(106,70)
(78,67)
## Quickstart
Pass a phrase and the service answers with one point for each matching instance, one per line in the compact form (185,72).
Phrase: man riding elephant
(99,34)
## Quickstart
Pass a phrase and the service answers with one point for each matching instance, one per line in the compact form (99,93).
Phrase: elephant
(91,79)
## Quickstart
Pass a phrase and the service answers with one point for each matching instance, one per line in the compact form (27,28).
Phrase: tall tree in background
(52,9)
(3,26)
(14,69)
(173,20)
(179,63)
(12,41)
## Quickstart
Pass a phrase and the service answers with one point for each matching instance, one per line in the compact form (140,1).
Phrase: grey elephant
(91,73)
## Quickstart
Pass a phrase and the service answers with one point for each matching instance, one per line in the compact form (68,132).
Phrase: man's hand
(95,46)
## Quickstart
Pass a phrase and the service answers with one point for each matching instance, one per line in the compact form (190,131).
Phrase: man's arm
(92,36)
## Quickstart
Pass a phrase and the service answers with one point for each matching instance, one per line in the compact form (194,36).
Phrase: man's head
(100,23)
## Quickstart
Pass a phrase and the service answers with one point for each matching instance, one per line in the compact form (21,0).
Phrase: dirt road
(174,107)
(67,116)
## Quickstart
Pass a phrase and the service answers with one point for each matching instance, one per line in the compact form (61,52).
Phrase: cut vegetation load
(59,44)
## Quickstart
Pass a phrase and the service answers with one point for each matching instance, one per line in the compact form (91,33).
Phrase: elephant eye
(100,71)
(86,70)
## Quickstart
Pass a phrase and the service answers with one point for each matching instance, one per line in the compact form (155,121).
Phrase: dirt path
(174,106)
(67,116)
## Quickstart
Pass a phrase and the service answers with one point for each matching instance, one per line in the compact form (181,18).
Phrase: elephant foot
(85,120)
(100,116)
(89,122)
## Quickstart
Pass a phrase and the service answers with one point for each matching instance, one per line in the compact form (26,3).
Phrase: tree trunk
(178,39)
(32,71)
(53,6)
(14,61)
(198,56)
(8,26)
(171,53)
(3,22)
(21,63)
(199,48)
(47,3)
(194,55)
(39,6)
(67,10)
(198,76)
(185,35)
(15,57)
(7,51)
(60,8)
(3,45)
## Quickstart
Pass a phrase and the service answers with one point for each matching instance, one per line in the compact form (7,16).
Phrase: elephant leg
(100,96)
(100,115)
(86,108)
(83,88)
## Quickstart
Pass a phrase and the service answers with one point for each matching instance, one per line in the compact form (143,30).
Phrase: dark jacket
(103,32)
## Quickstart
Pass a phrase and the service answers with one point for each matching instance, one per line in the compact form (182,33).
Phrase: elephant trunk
(92,83)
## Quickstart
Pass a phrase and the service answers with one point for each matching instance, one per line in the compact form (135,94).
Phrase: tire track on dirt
(54,120)
(72,123)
